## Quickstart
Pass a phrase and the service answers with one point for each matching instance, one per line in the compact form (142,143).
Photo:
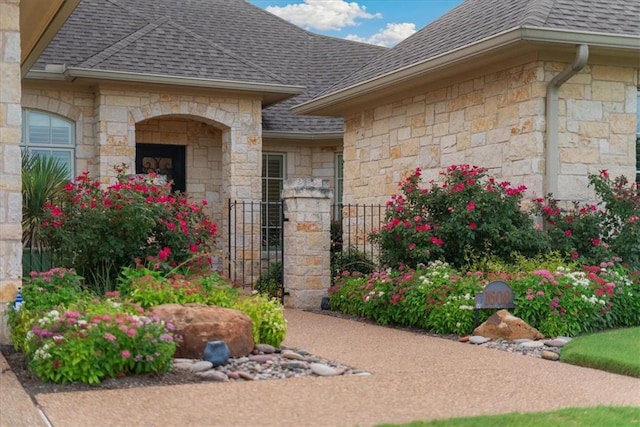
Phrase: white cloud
(323,15)
(389,36)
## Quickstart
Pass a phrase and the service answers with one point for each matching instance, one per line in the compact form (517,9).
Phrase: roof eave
(325,104)
(307,136)
(272,93)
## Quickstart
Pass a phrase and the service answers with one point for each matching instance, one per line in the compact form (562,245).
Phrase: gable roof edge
(71,73)
(505,38)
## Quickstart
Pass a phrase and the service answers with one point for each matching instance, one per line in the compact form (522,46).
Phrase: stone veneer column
(10,181)
(307,239)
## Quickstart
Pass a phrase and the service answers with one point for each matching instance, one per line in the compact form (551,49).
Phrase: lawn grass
(616,351)
(610,416)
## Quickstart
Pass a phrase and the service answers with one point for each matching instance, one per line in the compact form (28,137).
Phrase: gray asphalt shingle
(213,39)
(475,20)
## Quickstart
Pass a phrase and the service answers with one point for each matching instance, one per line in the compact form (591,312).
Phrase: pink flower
(436,241)
(530,297)
(125,354)
(131,332)
(412,246)
(540,293)
(164,253)
(595,242)
(574,255)
(471,206)
(604,173)
(109,337)
(568,233)
(193,248)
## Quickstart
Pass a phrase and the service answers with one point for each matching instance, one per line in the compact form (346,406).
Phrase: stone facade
(306,233)
(496,120)
(10,182)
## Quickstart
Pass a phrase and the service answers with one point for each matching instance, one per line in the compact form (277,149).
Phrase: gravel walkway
(414,376)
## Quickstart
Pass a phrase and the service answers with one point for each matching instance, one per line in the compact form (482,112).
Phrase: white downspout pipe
(552,160)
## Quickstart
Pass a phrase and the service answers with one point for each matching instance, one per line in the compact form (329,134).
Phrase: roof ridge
(537,12)
(226,51)
(121,44)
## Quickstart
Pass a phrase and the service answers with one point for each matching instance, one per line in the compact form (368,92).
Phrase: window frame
(271,208)
(51,146)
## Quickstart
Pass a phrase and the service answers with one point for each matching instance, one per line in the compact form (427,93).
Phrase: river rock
(265,348)
(213,375)
(550,355)
(555,342)
(201,366)
(505,325)
(199,323)
(325,370)
(290,354)
(477,339)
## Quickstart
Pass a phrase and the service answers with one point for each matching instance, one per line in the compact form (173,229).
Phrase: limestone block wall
(307,159)
(10,183)
(496,121)
(203,145)
(306,232)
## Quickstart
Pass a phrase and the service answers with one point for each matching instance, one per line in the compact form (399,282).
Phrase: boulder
(199,324)
(505,325)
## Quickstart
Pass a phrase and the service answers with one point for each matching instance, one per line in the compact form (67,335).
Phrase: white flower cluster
(43,352)
(465,297)
(578,278)
(593,300)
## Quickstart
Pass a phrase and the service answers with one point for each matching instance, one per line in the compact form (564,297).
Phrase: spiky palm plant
(43,180)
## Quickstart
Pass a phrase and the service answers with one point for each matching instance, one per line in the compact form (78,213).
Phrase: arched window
(49,135)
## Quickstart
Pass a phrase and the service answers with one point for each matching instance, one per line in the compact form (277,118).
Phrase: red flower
(193,248)
(604,173)
(164,253)
(472,225)
(574,255)
(595,242)
(436,241)
(471,206)
(567,233)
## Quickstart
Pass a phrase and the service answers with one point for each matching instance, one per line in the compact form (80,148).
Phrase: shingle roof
(475,20)
(212,39)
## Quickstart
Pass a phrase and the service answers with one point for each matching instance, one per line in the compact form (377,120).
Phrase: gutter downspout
(552,160)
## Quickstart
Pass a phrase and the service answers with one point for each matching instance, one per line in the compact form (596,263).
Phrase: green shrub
(151,287)
(351,260)
(267,316)
(467,217)
(270,282)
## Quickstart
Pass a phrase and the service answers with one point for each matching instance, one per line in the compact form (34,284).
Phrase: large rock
(198,324)
(507,326)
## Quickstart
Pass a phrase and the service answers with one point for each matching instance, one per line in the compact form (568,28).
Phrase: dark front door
(166,160)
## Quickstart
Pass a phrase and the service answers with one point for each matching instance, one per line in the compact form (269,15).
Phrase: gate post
(307,239)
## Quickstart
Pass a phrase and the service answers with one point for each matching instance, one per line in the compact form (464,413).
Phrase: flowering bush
(151,287)
(100,231)
(567,301)
(468,216)
(570,302)
(592,232)
(57,287)
(72,346)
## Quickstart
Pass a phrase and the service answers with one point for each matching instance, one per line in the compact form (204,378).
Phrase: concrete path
(414,377)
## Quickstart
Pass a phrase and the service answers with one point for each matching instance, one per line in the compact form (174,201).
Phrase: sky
(380,22)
